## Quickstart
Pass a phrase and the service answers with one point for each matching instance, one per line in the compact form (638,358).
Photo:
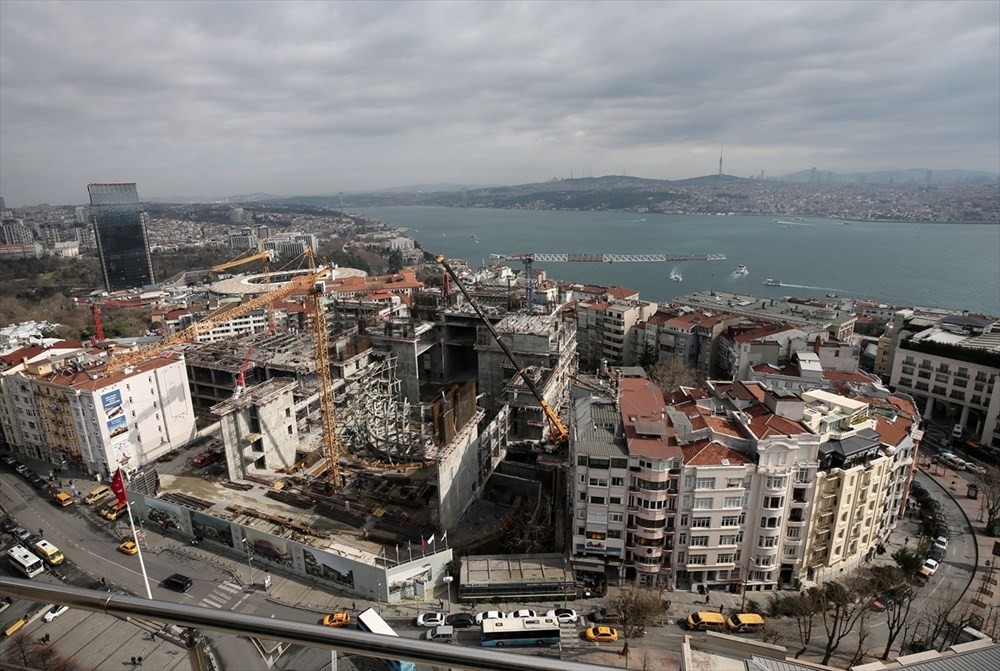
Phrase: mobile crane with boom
(558,433)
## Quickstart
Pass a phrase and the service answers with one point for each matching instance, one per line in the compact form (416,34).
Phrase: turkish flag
(118,486)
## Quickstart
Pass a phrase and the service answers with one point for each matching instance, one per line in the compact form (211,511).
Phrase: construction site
(366,436)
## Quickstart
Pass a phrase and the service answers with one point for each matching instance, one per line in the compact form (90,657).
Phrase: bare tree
(18,648)
(803,607)
(897,612)
(989,492)
(842,603)
(639,608)
(669,374)
(41,656)
(863,633)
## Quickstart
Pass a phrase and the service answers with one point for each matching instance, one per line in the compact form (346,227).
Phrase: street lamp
(447,581)
(246,543)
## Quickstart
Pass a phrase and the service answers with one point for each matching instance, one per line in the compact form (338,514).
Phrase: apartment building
(59,406)
(951,369)
(685,335)
(606,330)
(735,486)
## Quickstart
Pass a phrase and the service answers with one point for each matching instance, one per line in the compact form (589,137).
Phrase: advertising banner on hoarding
(113,410)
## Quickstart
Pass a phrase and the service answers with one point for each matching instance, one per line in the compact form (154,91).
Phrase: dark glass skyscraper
(120,230)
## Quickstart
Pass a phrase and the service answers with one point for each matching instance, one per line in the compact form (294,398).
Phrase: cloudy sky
(210,99)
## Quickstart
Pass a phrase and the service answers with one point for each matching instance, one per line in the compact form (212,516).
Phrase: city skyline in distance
(204,99)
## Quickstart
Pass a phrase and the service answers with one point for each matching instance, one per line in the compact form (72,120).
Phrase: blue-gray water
(933,265)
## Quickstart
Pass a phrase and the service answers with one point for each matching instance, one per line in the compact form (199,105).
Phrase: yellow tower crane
(125,359)
(265,256)
(331,442)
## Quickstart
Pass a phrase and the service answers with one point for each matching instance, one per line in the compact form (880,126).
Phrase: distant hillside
(910,176)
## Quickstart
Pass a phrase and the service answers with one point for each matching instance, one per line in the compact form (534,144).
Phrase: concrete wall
(458,476)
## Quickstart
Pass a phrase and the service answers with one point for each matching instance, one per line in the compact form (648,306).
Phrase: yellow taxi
(601,634)
(128,547)
(336,620)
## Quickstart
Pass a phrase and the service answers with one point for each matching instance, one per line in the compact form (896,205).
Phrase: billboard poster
(115,412)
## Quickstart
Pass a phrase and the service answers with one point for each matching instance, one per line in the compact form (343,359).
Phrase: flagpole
(118,487)
(135,538)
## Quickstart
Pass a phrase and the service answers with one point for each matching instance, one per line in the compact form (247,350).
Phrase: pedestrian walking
(138,661)
(708,597)
(132,661)
(906,541)
(720,608)
(41,532)
(354,606)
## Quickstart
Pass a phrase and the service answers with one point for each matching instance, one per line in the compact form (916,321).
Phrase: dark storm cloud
(218,98)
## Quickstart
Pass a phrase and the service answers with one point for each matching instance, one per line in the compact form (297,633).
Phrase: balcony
(650,533)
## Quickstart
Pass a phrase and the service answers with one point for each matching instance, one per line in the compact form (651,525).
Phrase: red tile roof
(641,401)
(711,453)
(765,424)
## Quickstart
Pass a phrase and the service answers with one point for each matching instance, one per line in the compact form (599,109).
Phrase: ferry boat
(772,283)
(741,270)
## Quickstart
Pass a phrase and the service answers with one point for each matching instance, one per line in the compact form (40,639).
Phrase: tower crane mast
(558,433)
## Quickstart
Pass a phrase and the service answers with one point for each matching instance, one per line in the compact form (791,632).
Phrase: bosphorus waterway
(932,265)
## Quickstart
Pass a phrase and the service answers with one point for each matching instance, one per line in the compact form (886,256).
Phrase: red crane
(95,310)
(241,379)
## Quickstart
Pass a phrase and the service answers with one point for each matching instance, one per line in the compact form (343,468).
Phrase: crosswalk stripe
(210,603)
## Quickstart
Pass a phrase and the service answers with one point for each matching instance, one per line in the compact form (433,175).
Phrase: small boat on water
(772,283)
(741,270)
(676,276)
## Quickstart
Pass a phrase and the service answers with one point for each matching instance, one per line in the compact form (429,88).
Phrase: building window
(616,518)
(726,558)
(733,502)
(767,541)
(699,541)
(599,500)
(727,539)
(617,482)
(770,522)
(775,482)
(615,500)
(698,559)
(581,461)
(619,463)
(614,533)
(701,522)
(734,482)
(793,532)
(704,503)
(730,520)
(598,482)
(704,483)
(774,502)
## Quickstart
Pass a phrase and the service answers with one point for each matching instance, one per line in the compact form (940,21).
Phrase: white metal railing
(344,640)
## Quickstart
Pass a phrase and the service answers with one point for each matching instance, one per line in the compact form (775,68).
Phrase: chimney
(816,346)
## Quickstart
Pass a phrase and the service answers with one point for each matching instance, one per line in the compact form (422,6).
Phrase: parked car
(430,620)
(978,469)
(956,431)
(21,468)
(942,530)
(8,524)
(601,634)
(929,568)
(54,612)
(564,615)
(605,616)
(21,534)
(524,612)
(460,620)
(936,553)
(489,615)
(941,542)
(128,547)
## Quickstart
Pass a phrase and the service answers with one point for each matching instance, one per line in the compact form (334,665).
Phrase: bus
(373,623)
(521,631)
(25,562)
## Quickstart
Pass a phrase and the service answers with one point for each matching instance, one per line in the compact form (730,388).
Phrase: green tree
(907,560)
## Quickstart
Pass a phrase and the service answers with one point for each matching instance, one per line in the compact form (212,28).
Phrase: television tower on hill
(720,161)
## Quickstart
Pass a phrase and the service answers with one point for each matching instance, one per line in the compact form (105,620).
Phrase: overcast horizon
(224,98)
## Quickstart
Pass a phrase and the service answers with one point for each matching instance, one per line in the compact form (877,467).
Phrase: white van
(957,431)
(442,634)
